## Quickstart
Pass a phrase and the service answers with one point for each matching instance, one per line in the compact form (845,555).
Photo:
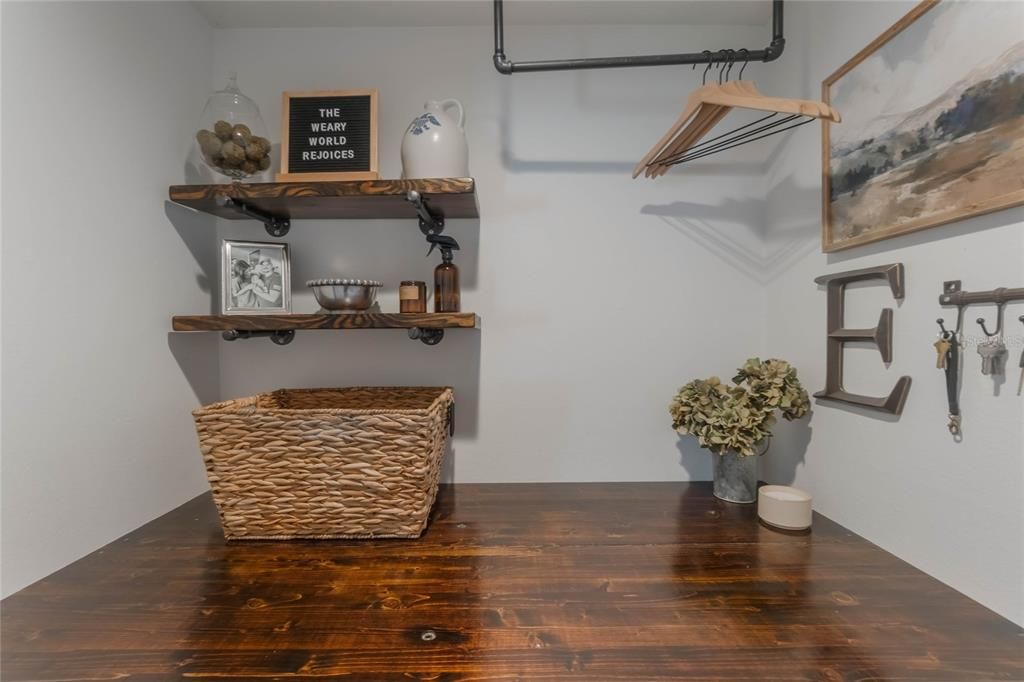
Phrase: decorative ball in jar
(232,137)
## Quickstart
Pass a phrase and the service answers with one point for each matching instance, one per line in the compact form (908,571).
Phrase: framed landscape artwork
(933,124)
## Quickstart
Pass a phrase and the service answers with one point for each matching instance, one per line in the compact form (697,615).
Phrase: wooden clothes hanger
(708,105)
(694,105)
(716,102)
(709,115)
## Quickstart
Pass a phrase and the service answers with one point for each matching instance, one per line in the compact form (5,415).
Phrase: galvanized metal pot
(736,476)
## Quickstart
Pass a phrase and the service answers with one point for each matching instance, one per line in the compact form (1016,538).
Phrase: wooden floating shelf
(450,197)
(300,322)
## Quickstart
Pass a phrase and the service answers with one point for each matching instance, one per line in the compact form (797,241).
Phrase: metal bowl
(344,294)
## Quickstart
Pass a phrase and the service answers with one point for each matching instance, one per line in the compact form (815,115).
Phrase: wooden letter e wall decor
(881,335)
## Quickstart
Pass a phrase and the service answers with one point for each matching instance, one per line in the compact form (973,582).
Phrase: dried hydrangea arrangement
(737,417)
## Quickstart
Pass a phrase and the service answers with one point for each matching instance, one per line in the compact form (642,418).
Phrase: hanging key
(985,351)
(1020,384)
(1000,358)
(942,350)
(992,353)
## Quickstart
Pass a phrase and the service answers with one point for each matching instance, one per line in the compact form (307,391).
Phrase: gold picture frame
(936,164)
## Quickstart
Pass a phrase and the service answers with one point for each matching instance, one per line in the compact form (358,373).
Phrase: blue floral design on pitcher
(423,123)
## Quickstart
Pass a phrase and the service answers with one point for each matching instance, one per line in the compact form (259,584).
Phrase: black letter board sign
(329,135)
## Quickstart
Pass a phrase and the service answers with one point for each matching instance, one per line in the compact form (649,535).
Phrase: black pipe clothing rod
(506,66)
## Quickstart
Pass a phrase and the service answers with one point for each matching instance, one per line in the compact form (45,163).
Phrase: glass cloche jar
(231,138)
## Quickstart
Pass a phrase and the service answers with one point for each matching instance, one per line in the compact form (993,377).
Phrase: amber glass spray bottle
(446,275)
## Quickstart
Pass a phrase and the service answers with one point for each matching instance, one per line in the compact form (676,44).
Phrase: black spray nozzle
(445,243)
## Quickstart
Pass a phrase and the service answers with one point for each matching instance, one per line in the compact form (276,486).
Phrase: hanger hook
(731,56)
(746,60)
(725,61)
(999,322)
(706,54)
(958,333)
(704,76)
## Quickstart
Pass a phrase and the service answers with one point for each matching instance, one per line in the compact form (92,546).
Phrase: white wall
(600,295)
(99,101)
(955,510)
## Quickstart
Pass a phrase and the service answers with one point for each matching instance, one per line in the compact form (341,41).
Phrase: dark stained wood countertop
(587,581)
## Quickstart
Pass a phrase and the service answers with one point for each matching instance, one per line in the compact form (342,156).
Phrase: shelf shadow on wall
(198,231)
(389,250)
(196,355)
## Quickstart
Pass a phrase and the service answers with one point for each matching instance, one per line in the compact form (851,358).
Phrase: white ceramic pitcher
(434,145)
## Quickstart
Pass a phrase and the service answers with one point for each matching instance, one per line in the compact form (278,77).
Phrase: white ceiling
(309,13)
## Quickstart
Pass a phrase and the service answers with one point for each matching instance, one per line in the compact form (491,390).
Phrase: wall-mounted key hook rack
(953,294)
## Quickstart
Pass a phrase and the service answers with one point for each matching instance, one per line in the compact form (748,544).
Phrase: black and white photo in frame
(255,278)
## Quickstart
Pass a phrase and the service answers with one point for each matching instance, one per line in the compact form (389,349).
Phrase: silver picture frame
(255,278)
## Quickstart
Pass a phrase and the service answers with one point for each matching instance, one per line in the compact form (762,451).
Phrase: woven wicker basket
(326,463)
